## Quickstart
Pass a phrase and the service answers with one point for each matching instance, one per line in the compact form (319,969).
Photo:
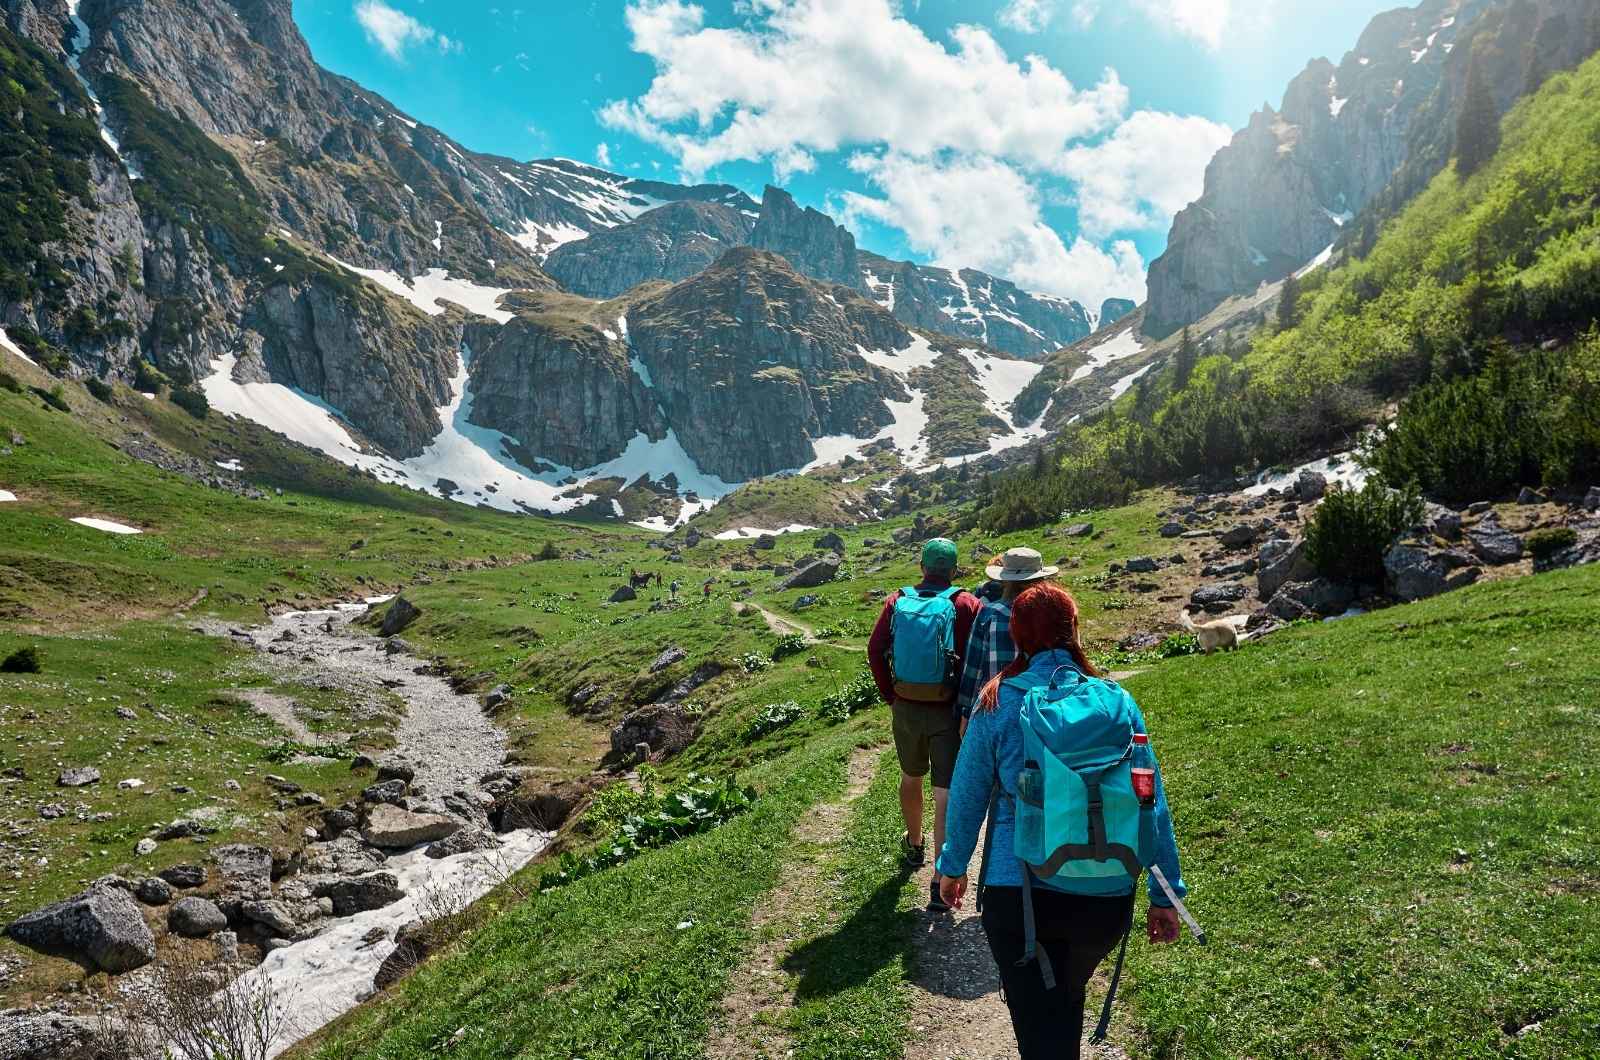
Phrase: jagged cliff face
(750,362)
(1378,125)
(671,242)
(808,239)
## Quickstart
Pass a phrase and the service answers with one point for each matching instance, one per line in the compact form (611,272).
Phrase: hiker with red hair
(1081,901)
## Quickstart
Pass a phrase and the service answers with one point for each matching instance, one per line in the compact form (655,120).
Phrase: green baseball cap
(940,554)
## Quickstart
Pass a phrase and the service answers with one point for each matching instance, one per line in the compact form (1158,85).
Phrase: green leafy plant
(9,382)
(753,662)
(192,400)
(287,750)
(859,693)
(99,389)
(699,804)
(788,644)
(772,717)
(1352,529)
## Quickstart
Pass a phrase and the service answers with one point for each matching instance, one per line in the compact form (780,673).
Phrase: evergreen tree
(1183,361)
(1369,238)
(1478,126)
(1289,303)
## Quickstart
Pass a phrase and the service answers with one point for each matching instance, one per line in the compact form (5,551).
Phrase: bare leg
(911,807)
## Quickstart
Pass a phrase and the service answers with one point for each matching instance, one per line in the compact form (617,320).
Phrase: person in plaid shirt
(990,648)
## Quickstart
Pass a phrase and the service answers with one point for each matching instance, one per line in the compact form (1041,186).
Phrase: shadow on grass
(851,954)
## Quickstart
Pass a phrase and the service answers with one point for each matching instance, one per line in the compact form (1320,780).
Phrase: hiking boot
(936,902)
(911,857)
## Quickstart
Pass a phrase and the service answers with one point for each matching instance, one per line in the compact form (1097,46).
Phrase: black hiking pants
(1078,932)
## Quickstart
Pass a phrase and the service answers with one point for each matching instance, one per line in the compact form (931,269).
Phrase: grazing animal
(640,581)
(1213,636)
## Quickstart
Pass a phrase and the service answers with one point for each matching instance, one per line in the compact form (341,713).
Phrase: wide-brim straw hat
(1021,565)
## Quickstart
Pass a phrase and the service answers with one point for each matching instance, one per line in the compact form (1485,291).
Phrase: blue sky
(1045,140)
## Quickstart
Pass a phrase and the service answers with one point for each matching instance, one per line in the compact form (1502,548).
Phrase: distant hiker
(1046,733)
(705,589)
(673,589)
(915,652)
(990,649)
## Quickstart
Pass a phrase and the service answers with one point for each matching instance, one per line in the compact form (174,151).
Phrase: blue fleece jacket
(993,748)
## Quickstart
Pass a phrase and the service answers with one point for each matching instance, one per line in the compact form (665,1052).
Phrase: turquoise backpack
(923,644)
(1077,815)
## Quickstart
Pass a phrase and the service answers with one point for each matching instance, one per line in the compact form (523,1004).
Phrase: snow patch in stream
(1340,468)
(316,981)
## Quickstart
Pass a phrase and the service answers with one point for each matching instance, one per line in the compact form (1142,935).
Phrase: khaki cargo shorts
(926,739)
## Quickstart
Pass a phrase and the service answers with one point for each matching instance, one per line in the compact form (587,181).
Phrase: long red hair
(1043,616)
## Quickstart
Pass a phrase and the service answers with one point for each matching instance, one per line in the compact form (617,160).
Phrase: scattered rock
(1445,522)
(153,890)
(78,777)
(463,841)
(412,943)
(1494,544)
(1416,573)
(1321,596)
(389,791)
(361,893)
(397,646)
(102,925)
(52,811)
(1209,597)
(184,875)
(706,671)
(272,915)
(144,847)
(1529,496)
(401,614)
(183,828)
(622,594)
(671,655)
(1280,562)
(337,822)
(1240,536)
(497,697)
(195,918)
(1141,565)
(1085,530)
(396,769)
(34,1035)
(1591,500)
(1171,530)
(817,572)
(246,869)
(392,828)
(766,542)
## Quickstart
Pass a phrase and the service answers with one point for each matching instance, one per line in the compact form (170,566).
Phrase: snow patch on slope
(434,286)
(1118,347)
(13,349)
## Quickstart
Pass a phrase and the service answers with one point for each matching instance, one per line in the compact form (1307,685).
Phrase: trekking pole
(1177,903)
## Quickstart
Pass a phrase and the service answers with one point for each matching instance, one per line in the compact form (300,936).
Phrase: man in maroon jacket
(926,734)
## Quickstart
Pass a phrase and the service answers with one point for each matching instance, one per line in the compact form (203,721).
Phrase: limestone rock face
(1379,124)
(393,828)
(750,361)
(102,925)
(1114,309)
(671,242)
(807,238)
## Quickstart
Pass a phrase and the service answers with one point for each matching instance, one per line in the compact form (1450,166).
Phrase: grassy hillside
(1474,272)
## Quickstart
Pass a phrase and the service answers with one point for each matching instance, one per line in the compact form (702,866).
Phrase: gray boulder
(819,571)
(1220,596)
(766,542)
(666,728)
(671,655)
(1280,562)
(1584,551)
(464,841)
(1320,596)
(102,925)
(1416,573)
(338,822)
(830,540)
(1171,530)
(1445,522)
(246,869)
(361,893)
(1310,486)
(27,1034)
(1591,500)
(1494,544)
(622,594)
(1241,535)
(78,777)
(272,915)
(389,791)
(391,828)
(153,890)
(412,944)
(1142,565)
(1530,496)
(401,614)
(396,769)
(184,875)
(1085,530)
(195,918)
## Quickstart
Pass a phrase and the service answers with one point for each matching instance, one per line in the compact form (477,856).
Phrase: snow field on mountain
(1119,347)
(12,348)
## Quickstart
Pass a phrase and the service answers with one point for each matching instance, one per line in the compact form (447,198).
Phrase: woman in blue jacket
(1078,921)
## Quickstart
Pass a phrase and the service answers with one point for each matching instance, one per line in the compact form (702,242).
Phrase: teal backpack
(923,644)
(1077,816)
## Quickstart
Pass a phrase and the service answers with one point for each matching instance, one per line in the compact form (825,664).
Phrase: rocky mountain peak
(808,238)
(671,242)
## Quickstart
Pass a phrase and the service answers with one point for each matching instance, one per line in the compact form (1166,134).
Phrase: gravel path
(445,736)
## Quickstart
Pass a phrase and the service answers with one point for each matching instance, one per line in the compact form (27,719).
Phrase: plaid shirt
(988,651)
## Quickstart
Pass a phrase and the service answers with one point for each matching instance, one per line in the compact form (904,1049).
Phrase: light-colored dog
(1213,636)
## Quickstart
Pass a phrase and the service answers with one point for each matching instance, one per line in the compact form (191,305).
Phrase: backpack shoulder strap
(951,593)
(908,591)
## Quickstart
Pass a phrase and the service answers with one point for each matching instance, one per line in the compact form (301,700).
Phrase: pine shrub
(1352,529)
(21,661)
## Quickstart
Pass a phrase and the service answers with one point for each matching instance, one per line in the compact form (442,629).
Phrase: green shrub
(9,382)
(1352,529)
(1547,542)
(788,644)
(192,400)
(548,552)
(21,661)
(100,390)
(859,693)
(52,397)
(773,716)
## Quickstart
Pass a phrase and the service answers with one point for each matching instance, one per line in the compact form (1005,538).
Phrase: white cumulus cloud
(394,31)
(602,155)
(1151,167)
(1027,16)
(979,212)
(802,77)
